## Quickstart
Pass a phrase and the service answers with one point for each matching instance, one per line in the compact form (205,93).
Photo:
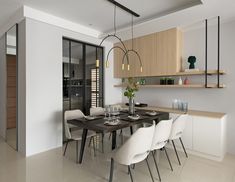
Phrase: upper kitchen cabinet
(160,54)
(169,52)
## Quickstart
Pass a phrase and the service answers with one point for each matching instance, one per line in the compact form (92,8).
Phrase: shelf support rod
(218,69)
(206,71)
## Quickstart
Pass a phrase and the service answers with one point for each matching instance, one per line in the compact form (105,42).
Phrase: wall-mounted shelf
(209,72)
(176,86)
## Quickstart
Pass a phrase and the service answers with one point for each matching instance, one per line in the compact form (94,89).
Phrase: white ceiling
(97,14)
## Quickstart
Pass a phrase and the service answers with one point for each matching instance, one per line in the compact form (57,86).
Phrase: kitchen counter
(190,112)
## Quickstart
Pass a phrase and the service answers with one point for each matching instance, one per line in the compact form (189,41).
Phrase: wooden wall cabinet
(160,54)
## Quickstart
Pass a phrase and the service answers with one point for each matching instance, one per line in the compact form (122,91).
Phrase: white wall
(22,87)
(44,84)
(221,100)
(2,87)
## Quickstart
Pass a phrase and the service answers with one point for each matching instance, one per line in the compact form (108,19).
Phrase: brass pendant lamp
(125,51)
(132,48)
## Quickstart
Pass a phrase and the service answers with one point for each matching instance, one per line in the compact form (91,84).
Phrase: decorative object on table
(192,61)
(131,88)
(180,81)
(170,81)
(186,81)
(151,113)
(134,117)
(163,81)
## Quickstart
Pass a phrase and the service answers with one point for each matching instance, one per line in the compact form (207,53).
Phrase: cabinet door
(168,52)
(146,47)
(207,135)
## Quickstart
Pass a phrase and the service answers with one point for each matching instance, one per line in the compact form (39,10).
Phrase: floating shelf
(176,86)
(209,72)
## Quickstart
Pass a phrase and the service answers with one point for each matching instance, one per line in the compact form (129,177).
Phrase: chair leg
(156,166)
(77,151)
(111,170)
(149,169)
(102,142)
(90,142)
(129,170)
(183,148)
(66,147)
(168,158)
(176,152)
(93,139)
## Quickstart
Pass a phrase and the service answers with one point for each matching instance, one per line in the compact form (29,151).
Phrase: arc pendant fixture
(132,49)
(123,48)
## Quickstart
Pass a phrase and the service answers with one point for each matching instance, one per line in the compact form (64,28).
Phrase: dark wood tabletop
(98,125)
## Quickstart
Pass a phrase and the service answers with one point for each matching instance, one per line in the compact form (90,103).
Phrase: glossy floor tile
(51,166)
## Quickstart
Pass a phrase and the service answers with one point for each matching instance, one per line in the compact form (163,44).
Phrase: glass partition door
(82,77)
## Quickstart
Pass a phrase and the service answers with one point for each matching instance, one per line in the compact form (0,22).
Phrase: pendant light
(132,48)
(124,49)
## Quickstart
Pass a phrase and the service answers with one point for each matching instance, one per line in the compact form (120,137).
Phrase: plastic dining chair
(160,139)
(134,150)
(178,127)
(77,134)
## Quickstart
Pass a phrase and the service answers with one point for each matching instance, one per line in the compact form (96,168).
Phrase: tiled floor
(51,166)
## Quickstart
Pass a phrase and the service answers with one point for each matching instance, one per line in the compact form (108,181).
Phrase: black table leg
(114,133)
(83,143)
(131,130)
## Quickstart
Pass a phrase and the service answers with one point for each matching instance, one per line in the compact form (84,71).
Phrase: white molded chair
(134,150)
(160,139)
(96,111)
(178,127)
(77,134)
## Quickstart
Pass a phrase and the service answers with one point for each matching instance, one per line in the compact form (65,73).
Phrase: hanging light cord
(114,21)
(132,31)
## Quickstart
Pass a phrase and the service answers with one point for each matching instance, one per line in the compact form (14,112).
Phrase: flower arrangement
(132,87)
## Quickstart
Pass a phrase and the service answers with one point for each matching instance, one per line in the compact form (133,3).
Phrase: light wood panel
(146,47)
(168,52)
(160,54)
(11,91)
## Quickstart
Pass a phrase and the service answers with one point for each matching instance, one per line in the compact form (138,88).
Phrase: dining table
(99,125)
